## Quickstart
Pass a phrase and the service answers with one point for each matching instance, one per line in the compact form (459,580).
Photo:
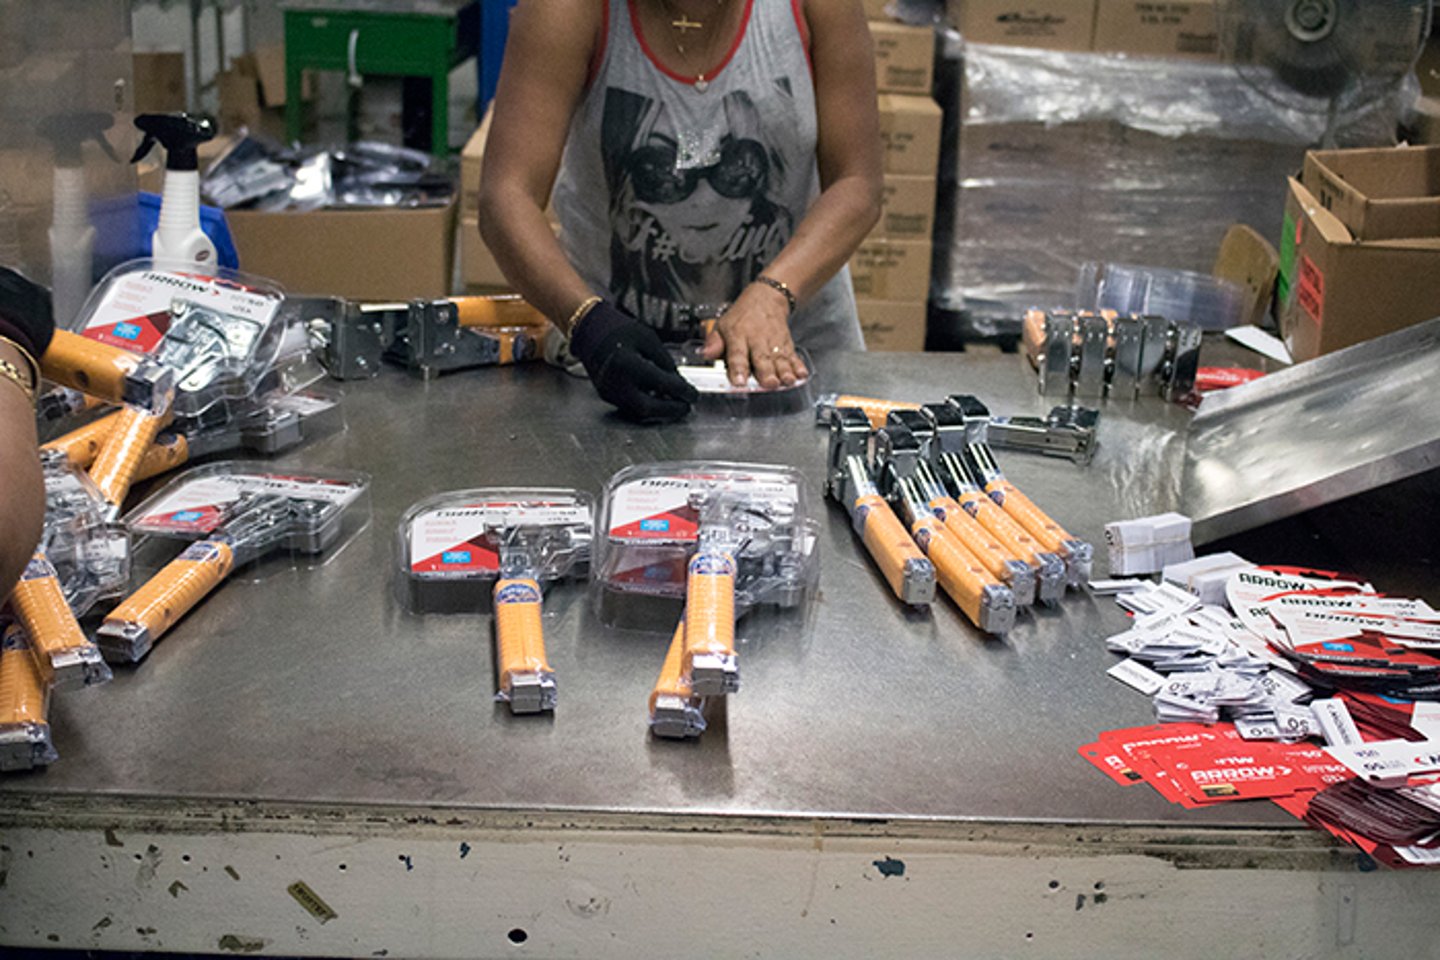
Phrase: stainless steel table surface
(313,685)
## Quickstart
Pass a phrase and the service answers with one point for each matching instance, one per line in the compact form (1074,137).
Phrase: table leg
(440,113)
(294,102)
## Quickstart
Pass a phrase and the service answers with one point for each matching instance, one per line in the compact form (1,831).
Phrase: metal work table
(300,712)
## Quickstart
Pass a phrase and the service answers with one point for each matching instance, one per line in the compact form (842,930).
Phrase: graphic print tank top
(671,199)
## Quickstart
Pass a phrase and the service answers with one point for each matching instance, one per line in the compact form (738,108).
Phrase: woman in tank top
(706,159)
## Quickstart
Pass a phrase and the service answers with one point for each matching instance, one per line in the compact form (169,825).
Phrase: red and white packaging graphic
(464,538)
(134,309)
(197,506)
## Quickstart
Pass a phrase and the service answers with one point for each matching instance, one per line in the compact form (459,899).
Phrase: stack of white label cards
(1148,545)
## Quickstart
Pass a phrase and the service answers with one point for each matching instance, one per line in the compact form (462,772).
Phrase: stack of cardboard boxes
(1154,28)
(891,269)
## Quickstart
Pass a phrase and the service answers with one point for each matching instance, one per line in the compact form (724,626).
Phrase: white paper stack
(1205,576)
(1148,545)
(1198,666)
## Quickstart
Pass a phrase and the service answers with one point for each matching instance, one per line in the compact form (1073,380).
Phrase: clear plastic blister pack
(717,393)
(91,556)
(656,517)
(321,508)
(492,550)
(219,330)
(232,513)
(451,545)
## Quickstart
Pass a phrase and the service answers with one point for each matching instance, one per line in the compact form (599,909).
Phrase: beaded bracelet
(779,285)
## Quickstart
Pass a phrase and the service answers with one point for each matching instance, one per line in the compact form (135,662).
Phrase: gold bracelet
(580,313)
(781,287)
(8,371)
(12,373)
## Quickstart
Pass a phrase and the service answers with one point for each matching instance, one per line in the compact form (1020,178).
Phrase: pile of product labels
(1308,689)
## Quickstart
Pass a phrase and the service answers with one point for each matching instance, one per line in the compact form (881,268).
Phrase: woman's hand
(754,337)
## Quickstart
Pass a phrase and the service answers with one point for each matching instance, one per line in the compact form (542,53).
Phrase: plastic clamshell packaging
(329,505)
(450,544)
(718,393)
(220,330)
(655,515)
(91,556)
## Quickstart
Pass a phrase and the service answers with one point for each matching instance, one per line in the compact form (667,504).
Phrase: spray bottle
(178,236)
(72,236)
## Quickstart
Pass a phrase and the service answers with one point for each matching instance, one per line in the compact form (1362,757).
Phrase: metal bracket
(1089,356)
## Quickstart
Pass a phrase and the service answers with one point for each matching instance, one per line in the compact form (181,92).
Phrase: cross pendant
(685,24)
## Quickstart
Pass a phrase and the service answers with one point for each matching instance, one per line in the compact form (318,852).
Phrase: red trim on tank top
(680,77)
(804,28)
(598,57)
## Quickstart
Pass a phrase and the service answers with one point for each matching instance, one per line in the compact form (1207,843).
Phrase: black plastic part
(179,133)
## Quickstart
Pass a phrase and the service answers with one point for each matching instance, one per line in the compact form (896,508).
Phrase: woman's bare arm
(22,487)
(547,61)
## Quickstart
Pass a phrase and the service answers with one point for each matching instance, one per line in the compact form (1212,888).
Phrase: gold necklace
(681,26)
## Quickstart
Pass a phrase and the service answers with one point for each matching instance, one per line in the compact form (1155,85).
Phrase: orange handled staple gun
(64,655)
(527,681)
(24,707)
(984,600)
(910,575)
(1078,554)
(117,463)
(709,660)
(107,373)
(251,527)
(675,711)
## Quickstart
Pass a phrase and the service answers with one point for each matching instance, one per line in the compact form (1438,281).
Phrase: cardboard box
(875,9)
(478,269)
(471,158)
(159,82)
(1336,290)
(1383,194)
(884,269)
(375,254)
(1155,28)
(252,92)
(907,208)
(910,134)
(891,325)
(904,57)
(1046,24)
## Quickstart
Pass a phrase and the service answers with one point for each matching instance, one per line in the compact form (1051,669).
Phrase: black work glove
(629,366)
(25,312)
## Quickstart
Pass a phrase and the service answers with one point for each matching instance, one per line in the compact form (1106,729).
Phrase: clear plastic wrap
(1170,97)
(450,544)
(1180,296)
(1061,158)
(264,175)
